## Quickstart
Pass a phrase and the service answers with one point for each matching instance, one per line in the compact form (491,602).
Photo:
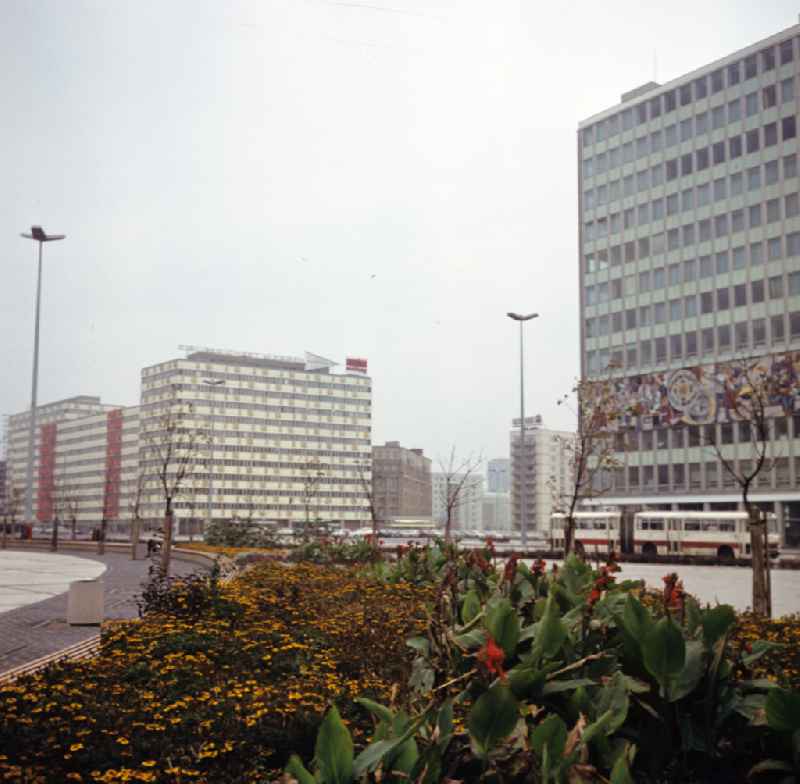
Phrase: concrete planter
(85,603)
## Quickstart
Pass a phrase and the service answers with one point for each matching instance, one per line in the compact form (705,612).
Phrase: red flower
(511,569)
(492,657)
(539,566)
(673,592)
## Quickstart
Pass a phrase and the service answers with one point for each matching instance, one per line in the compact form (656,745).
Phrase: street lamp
(522,521)
(212,382)
(37,235)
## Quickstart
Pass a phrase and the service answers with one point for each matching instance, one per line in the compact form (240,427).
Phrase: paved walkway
(40,628)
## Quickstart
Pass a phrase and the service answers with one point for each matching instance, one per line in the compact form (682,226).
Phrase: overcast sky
(381,180)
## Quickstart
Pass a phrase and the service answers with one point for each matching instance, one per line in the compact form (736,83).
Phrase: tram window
(600,525)
(691,525)
(652,525)
(727,526)
(772,525)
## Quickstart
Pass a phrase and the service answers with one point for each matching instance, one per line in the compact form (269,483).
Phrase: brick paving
(39,629)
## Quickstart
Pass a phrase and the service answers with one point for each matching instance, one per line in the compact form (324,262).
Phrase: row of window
(714,227)
(699,160)
(724,338)
(268,376)
(709,84)
(691,128)
(687,307)
(691,269)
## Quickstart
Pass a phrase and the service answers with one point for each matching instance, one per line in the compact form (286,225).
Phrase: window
(791,205)
(708,340)
(718,151)
(631,356)
(790,166)
(789,127)
(646,352)
(703,195)
(687,164)
(754,212)
(794,284)
(657,243)
(756,253)
(757,291)
(644,281)
(675,309)
(753,141)
(655,107)
(739,257)
(659,278)
(615,190)
(671,135)
(704,230)
(770,134)
(773,210)
(643,180)
(776,287)
(701,123)
(661,349)
(734,111)
(700,88)
(689,269)
(737,184)
(723,299)
(672,169)
(786,49)
(735,147)
(734,74)
(793,244)
(628,186)
(630,319)
(658,209)
(737,221)
(759,332)
(703,160)
(644,247)
(706,267)
(674,274)
(673,239)
(687,199)
(787,90)
(672,204)
(641,113)
(778,330)
(742,335)
(740,295)
(774,248)
(669,101)
(642,146)
(768,59)
(675,348)
(750,67)
(707,302)
(769,96)
(645,316)
(720,225)
(691,344)
(718,117)
(724,337)
(794,325)
(690,306)
(770,172)
(659,312)
(643,214)
(751,104)
(616,322)
(686,94)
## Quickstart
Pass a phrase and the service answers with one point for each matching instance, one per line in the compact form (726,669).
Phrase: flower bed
(217,683)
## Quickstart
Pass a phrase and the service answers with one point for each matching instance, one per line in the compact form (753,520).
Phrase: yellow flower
(123,741)
(148,763)
(76,747)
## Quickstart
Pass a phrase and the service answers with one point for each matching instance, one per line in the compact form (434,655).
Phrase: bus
(724,535)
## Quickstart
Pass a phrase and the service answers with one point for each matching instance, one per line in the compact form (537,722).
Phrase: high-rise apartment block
(401,482)
(690,258)
(283,438)
(542,470)
(498,475)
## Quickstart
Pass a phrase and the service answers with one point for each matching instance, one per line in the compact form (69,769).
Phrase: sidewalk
(38,629)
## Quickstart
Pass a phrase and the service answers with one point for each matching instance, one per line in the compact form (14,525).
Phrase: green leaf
(502,622)
(664,650)
(375,752)
(296,770)
(444,723)
(614,697)
(758,649)
(405,757)
(554,687)
(525,681)
(376,709)
(550,734)
(420,644)
(769,766)
(691,674)
(717,622)
(471,606)
(334,750)
(602,726)
(474,639)
(783,710)
(621,772)
(693,616)
(493,717)
(552,631)
(636,619)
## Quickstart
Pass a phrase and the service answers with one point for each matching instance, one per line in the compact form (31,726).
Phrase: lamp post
(522,521)
(212,382)
(37,235)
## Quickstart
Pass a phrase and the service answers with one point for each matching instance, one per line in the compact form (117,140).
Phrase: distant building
(546,468)
(498,475)
(3,489)
(497,511)
(401,482)
(467,512)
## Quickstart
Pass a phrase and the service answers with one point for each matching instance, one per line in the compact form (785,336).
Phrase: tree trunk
(166,545)
(54,540)
(74,528)
(101,539)
(134,538)
(759,553)
(4,539)
(569,534)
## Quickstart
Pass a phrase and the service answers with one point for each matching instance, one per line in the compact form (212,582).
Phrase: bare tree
(458,477)
(589,451)
(67,503)
(136,492)
(172,446)
(368,488)
(749,387)
(312,477)
(13,508)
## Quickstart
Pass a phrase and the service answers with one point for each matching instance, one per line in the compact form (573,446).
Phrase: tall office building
(690,258)
(401,482)
(280,438)
(498,475)
(541,470)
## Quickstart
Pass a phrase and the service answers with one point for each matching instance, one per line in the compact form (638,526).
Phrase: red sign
(355,365)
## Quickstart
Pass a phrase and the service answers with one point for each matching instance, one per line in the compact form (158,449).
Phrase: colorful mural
(703,394)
